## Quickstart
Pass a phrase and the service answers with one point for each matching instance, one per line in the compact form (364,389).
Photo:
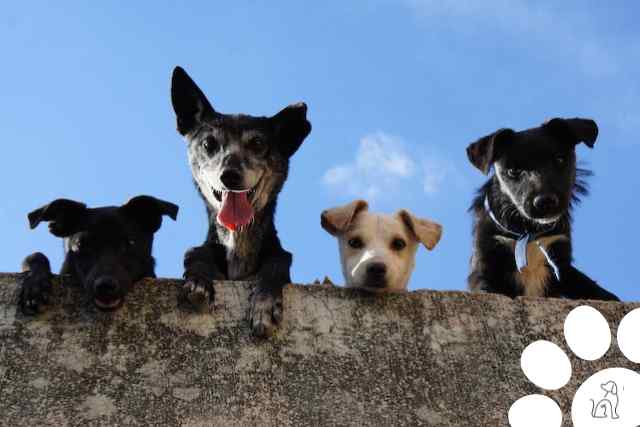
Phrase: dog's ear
(485,151)
(576,130)
(336,220)
(147,211)
(292,127)
(65,217)
(189,103)
(426,232)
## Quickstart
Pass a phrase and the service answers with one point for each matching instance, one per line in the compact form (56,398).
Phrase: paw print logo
(609,397)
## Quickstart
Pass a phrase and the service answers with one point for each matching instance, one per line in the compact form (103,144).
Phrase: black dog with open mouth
(522,225)
(107,249)
(239,164)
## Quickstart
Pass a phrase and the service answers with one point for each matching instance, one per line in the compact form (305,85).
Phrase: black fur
(244,154)
(107,249)
(534,164)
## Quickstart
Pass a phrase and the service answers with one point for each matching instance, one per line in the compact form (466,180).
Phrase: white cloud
(384,155)
(435,174)
(383,166)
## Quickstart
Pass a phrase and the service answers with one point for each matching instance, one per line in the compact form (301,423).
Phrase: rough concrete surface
(340,358)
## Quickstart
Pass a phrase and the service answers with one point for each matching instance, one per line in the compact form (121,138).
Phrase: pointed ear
(147,211)
(426,232)
(484,151)
(337,220)
(65,217)
(189,103)
(576,130)
(292,127)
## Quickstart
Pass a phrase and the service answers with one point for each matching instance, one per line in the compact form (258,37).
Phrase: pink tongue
(236,210)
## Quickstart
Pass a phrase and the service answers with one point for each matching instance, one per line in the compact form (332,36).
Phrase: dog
(107,249)
(522,214)
(377,251)
(607,407)
(239,165)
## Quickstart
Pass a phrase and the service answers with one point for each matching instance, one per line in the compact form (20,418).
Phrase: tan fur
(534,278)
(377,232)
(336,220)
(427,232)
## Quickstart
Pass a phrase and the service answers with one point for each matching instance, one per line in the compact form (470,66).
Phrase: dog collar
(522,240)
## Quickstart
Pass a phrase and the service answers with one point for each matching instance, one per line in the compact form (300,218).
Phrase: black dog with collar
(522,227)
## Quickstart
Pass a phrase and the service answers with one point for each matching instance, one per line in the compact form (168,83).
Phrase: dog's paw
(265,312)
(34,292)
(198,294)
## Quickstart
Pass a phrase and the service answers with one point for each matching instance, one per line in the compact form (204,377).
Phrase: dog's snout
(377,269)
(546,203)
(106,286)
(232,179)
(376,275)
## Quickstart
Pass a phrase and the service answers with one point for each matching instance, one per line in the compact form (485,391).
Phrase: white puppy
(377,251)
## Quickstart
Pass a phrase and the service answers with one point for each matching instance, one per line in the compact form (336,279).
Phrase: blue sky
(396,90)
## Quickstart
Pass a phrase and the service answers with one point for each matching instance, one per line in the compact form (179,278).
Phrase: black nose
(546,203)
(232,179)
(377,270)
(106,287)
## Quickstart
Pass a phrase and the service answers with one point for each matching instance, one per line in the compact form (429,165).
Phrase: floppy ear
(484,151)
(65,217)
(336,220)
(609,387)
(578,130)
(147,211)
(189,103)
(426,232)
(292,127)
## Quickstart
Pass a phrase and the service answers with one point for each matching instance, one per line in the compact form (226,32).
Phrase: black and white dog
(522,225)
(239,165)
(107,249)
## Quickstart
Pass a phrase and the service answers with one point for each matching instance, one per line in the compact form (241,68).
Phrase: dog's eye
(257,145)
(514,173)
(210,144)
(356,243)
(129,244)
(561,160)
(398,244)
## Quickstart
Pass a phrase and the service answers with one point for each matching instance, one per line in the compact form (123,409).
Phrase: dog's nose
(546,203)
(106,286)
(376,275)
(232,179)
(377,270)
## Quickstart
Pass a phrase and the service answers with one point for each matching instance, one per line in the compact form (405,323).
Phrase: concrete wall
(340,358)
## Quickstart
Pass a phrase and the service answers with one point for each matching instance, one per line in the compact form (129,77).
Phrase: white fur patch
(506,190)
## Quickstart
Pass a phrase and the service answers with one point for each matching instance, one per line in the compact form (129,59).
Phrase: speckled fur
(253,252)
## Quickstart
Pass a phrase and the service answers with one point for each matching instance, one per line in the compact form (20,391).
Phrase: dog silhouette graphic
(607,407)
(604,398)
